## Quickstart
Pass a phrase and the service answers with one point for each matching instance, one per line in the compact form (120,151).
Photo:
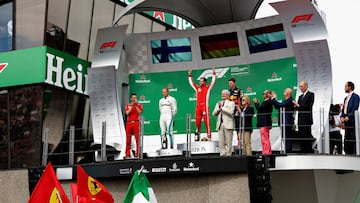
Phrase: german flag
(220,45)
(266,38)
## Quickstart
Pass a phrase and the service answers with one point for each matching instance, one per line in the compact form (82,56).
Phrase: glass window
(6,26)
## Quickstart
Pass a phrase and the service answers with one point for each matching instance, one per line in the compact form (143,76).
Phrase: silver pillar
(103,142)
(71,145)
(357,130)
(188,135)
(141,138)
(45,147)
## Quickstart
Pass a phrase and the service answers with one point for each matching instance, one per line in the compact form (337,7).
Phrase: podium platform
(201,147)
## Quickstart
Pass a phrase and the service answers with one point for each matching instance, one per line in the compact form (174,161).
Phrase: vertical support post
(282,126)
(242,132)
(188,135)
(141,137)
(322,131)
(326,149)
(45,147)
(103,142)
(357,130)
(71,145)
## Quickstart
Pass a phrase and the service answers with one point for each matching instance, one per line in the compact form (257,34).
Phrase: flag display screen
(266,38)
(171,50)
(220,45)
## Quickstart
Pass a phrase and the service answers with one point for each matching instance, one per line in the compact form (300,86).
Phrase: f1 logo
(305,17)
(105,45)
(220,72)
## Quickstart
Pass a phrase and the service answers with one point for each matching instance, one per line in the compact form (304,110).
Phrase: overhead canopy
(198,12)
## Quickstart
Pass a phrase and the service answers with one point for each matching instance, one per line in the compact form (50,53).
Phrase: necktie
(346,104)
(221,118)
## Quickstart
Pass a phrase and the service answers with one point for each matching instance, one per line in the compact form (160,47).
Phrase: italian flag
(139,190)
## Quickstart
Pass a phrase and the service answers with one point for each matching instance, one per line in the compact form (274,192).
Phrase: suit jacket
(305,115)
(248,114)
(289,110)
(352,106)
(264,111)
(225,115)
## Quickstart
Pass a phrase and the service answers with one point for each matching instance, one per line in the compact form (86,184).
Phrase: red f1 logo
(3,66)
(105,45)
(305,17)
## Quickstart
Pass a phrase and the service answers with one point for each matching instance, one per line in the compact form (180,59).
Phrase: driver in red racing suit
(202,103)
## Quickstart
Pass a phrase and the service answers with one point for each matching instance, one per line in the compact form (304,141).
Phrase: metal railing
(321,145)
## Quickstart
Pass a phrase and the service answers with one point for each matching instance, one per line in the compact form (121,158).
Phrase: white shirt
(167,105)
(336,122)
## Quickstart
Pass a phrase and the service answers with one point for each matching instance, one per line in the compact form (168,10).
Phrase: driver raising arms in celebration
(202,103)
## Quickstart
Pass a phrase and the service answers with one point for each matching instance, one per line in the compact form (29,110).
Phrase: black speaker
(259,179)
(34,176)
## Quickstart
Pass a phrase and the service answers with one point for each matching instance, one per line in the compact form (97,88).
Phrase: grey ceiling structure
(198,12)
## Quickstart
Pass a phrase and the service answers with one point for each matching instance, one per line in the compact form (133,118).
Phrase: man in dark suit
(351,104)
(304,107)
(264,111)
(288,121)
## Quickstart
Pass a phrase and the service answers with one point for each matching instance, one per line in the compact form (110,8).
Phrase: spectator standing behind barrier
(335,126)
(245,131)
(132,111)
(224,110)
(264,111)
(288,121)
(304,107)
(351,104)
(236,95)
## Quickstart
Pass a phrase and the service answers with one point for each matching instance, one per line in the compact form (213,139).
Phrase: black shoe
(197,136)
(164,142)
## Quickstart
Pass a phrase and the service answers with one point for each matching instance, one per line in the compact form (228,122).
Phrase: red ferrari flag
(48,189)
(91,190)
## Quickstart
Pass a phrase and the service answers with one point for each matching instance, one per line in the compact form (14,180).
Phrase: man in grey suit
(224,110)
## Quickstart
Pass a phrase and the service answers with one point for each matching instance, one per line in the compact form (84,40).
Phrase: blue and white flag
(171,50)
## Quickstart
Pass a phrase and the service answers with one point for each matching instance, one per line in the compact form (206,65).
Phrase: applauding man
(132,111)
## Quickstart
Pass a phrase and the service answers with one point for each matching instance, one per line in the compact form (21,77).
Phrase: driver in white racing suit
(168,109)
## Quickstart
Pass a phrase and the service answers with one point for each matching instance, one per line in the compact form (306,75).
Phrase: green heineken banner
(170,19)
(22,67)
(254,78)
(43,65)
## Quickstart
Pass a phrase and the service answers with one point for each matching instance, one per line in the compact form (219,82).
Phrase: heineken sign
(43,65)
(170,19)
(66,73)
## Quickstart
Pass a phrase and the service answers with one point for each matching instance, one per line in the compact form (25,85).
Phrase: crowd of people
(235,112)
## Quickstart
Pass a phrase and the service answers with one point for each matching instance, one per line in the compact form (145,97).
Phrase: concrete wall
(315,186)
(293,186)
(184,188)
(14,186)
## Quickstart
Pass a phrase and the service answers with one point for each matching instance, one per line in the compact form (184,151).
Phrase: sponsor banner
(66,71)
(192,165)
(170,19)
(252,78)
(108,46)
(22,67)
(43,65)
(301,18)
